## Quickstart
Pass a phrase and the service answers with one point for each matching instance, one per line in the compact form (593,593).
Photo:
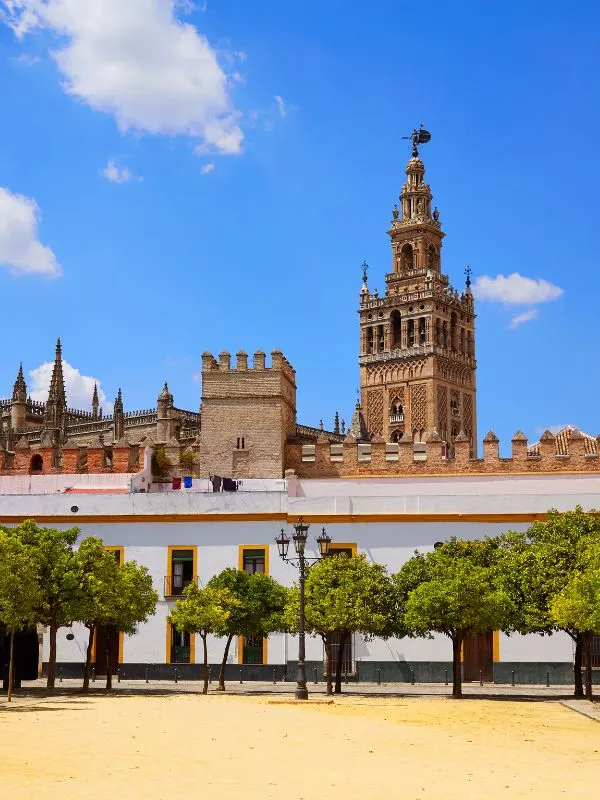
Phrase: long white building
(192,534)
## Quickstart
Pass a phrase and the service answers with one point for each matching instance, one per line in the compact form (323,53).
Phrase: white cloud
(20,248)
(79,388)
(116,174)
(521,319)
(206,168)
(515,289)
(281,105)
(137,61)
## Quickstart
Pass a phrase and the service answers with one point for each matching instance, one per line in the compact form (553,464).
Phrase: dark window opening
(182,571)
(36,465)
(240,443)
(411,332)
(396,321)
(180,646)
(422,329)
(254,561)
(253,650)
(406,258)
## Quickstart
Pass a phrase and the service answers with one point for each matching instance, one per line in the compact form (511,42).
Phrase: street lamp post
(302,563)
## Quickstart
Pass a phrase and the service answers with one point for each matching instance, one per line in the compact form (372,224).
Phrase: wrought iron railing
(175,584)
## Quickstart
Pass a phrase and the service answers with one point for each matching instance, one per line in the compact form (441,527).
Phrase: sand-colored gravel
(189,746)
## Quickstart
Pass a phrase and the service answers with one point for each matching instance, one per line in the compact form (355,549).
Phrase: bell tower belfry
(417,342)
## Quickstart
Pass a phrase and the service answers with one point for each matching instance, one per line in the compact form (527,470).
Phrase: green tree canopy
(260,610)
(577,606)
(123,604)
(99,576)
(454,590)
(539,563)
(204,611)
(342,595)
(19,592)
(58,578)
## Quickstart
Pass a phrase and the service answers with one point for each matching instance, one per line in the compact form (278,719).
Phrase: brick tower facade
(248,414)
(417,343)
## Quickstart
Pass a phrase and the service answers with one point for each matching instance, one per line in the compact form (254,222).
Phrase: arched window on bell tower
(437,332)
(432,258)
(453,331)
(411,333)
(396,322)
(422,329)
(406,258)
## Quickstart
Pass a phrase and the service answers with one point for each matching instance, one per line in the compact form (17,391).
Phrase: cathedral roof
(562,439)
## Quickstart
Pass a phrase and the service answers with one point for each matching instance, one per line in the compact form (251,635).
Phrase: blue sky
(217,186)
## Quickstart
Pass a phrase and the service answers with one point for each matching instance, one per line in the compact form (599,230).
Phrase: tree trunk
(11,666)
(52,655)
(345,635)
(457,641)
(108,661)
(88,659)
(587,660)
(328,666)
(578,673)
(221,686)
(205,649)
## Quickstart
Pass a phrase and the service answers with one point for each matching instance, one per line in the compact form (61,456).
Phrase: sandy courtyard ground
(189,746)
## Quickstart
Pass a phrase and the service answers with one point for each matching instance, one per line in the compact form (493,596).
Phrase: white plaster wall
(557,647)
(391,543)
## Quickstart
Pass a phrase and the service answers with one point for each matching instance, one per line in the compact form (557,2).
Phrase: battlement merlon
(279,364)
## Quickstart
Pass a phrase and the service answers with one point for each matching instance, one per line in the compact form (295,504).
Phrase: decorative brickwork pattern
(418,407)
(442,401)
(375,412)
(468,413)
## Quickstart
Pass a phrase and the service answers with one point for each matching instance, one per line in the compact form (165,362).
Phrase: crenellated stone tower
(417,343)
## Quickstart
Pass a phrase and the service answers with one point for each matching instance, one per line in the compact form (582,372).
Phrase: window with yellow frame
(253,558)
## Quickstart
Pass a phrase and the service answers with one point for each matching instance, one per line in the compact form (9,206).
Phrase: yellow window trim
(241,652)
(344,546)
(192,640)
(241,548)
(116,548)
(171,548)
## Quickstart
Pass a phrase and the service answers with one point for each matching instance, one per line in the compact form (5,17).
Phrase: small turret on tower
(118,417)
(18,409)
(165,423)
(95,402)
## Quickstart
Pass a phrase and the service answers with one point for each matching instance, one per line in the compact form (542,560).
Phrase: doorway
(478,657)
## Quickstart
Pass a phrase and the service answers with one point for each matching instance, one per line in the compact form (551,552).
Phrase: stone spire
(95,402)
(358,427)
(19,394)
(336,423)
(18,408)
(119,417)
(56,405)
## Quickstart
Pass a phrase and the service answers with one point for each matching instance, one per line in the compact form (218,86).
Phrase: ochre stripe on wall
(310,518)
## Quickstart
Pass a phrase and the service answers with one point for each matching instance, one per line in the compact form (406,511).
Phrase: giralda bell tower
(417,343)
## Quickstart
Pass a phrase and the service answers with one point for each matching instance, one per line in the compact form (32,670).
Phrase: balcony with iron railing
(395,419)
(175,584)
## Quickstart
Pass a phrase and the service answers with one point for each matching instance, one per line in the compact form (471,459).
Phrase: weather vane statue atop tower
(418,137)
